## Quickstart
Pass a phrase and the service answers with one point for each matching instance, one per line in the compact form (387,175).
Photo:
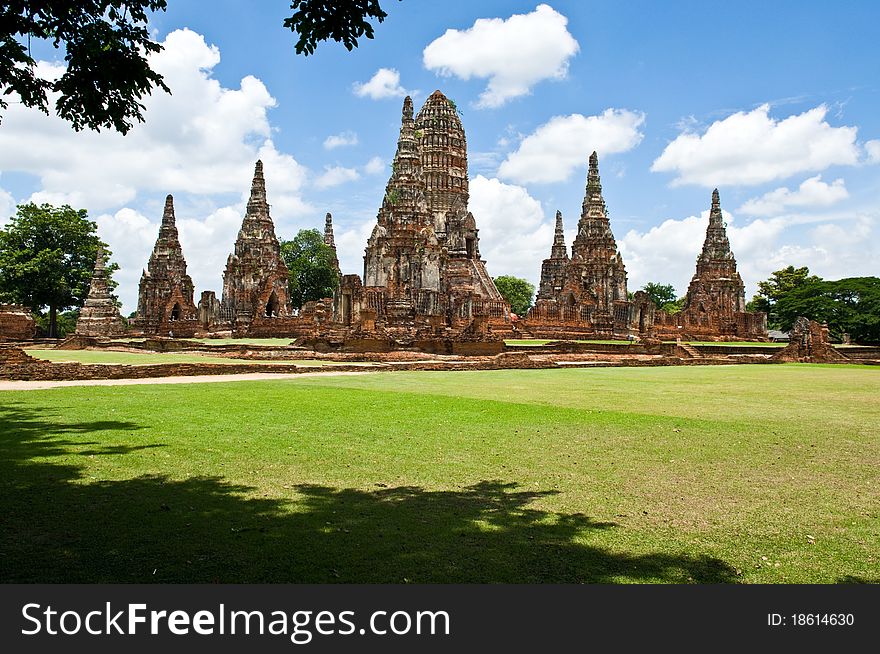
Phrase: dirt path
(193,379)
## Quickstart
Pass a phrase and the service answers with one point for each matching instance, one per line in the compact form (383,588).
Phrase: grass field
(679,474)
(144,358)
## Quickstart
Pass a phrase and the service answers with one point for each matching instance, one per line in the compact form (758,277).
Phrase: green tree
(312,266)
(341,20)
(850,306)
(47,255)
(107,45)
(772,290)
(660,294)
(518,292)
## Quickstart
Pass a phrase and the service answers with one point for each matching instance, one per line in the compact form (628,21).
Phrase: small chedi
(100,315)
(585,295)
(715,304)
(165,293)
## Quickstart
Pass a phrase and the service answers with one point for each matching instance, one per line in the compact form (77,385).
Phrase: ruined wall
(16,323)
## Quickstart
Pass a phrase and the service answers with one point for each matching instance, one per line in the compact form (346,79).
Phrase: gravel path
(192,379)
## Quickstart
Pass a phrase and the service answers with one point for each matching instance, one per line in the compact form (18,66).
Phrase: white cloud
(812,193)
(202,139)
(513,54)
(350,245)
(554,150)
(7,206)
(873,149)
(514,236)
(199,143)
(336,175)
(340,140)
(384,84)
(374,166)
(754,148)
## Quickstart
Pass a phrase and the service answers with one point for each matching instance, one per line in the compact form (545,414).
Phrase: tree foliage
(106,43)
(772,290)
(311,263)
(107,46)
(663,296)
(518,292)
(343,21)
(47,256)
(849,306)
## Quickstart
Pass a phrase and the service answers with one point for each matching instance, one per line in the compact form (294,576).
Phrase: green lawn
(710,474)
(144,358)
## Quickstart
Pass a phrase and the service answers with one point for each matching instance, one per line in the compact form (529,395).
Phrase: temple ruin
(715,304)
(585,296)
(165,294)
(423,273)
(424,280)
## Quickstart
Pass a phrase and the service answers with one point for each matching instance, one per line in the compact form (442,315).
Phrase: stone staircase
(690,351)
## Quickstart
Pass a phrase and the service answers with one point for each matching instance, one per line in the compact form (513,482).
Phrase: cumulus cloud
(554,150)
(754,148)
(374,166)
(873,150)
(202,139)
(340,140)
(514,236)
(514,54)
(384,84)
(199,143)
(336,175)
(7,206)
(812,193)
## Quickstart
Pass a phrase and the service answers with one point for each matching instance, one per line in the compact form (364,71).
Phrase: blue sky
(776,104)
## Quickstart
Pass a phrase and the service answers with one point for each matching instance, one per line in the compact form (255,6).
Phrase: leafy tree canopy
(850,306)
(47,256)
(343,21)
(311,263)
(518,292)
(107,44)
(660,294)
(772,290)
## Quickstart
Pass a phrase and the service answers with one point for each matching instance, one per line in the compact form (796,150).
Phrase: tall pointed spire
(716,247)
(257,199)
(328,231)
(405,191)
(166,291)
(594,203)
(559,249)
(715,217)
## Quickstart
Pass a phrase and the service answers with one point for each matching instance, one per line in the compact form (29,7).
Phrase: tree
(772,290)
(47,256)
(660,294)
(107,45)
(340,20)
(849,306)
(518,292)
(312,266)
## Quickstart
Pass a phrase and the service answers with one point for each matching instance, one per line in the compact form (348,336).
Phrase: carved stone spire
(328,231)
(559,249)
(99,316)
(405,191)
(255,280)
(165,293)
(594,204)
(716,287)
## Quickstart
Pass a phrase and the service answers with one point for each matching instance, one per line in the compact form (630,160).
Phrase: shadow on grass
(56,525)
